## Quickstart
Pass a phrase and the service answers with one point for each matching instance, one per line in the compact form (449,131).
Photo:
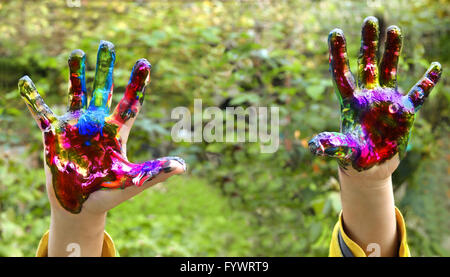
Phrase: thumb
(142,173)
(138,178)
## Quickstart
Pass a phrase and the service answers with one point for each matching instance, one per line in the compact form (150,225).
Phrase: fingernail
(166,167)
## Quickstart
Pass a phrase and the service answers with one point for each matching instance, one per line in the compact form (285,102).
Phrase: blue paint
(91,122)
(82,78)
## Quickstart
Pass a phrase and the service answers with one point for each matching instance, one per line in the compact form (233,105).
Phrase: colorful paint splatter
(376,117)
(83,148)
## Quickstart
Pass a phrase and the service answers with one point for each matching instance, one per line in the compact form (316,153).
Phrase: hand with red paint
(376,121)
(376,117)
(86,166)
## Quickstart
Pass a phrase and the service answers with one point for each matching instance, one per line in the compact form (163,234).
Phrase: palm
(377,123)
(376,117)
(85,148)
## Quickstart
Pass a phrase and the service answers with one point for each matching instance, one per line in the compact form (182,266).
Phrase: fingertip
(314,146)
(141,72)
(336,35)
(370,21)
(24,78)
(174,165)
(336,43)
(436,66)
(77,54)
(394,34)
(393,29)
(26,85)
(143,63)
(177,168)
(76,60)
(336,32)
(169,169)
(106,45)
(434,72)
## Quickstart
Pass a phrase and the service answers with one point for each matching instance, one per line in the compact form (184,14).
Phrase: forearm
(369,213)
(85,230)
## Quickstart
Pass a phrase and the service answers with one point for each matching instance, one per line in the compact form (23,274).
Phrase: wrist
(361,190)
(363,181)
(82,233)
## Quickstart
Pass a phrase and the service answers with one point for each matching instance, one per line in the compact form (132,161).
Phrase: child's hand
(376,117)
(376,122)
(85,149)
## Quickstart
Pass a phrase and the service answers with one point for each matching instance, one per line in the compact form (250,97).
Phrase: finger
(129,174)
(77,87)
(389,62)
(103,81)
(333,144)
(367,60)
(422,89)
(342,76)
(112,197)
(133,98)
(40,111)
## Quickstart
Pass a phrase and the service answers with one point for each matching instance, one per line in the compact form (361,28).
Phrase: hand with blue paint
(87,170)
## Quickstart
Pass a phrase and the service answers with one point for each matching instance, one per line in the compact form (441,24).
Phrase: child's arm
(368,211)
(376,120)
(86,166)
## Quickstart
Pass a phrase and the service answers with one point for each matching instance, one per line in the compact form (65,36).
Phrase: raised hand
(85,149)
(376,118)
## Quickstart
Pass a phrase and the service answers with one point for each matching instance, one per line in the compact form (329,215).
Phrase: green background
(234,201)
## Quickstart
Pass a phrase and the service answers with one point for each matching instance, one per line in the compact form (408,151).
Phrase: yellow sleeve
(109,250)
(342,246)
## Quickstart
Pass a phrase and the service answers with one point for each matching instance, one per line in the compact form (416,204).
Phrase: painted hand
(376,117)
(85,149)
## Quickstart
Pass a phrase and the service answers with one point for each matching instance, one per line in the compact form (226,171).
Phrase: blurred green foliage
(234,201)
